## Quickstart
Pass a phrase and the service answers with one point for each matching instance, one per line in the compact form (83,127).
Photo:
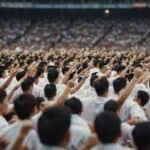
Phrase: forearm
(7,82)
(61,100)
(125,93)
(18,145)
(76,88)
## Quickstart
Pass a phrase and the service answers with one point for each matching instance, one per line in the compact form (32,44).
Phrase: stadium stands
(75,33)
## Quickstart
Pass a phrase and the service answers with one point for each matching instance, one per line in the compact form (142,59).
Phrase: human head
(50,91)
(101,86)
(20,75)
(141,136)
(53,75)
(3,105)
(27,85)
(142,97)
(112,106)
(53,126)
(25,106)
(107,126)
(75,105)
(119,84)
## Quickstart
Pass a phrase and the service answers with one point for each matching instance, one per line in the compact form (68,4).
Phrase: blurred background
(45,24)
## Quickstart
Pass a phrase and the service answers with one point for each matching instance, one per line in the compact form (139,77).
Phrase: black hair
(111,106)
(141,136)
(24,105)
(50,90)
(20,75)
(143,96)
(65,69)
(101,86)
(53,124)
(1,72)
(119,68)
(119,84)
(107,126)
(2,95)
(74,104)
(39,72)
(94,76)
(101,63)
(27,83)
(52,75)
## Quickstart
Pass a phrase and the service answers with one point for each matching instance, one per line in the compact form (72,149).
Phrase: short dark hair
(52,75)
(74,104)
(94,76)
(107,134)
(2,95)
(39,72)
(27,83)
(50,90)
(20,75)
(141,136)
(53,124)
(111,106)
(1,72)
(119,84)
(101,86)
(143,96)
(24,105)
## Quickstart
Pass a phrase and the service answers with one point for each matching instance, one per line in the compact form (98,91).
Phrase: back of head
(53,75)
(107,126)
(141,136)
(111,106)
(50,91)
(101,86)
(24,106)
(143,96)
(53,124)
(74,104)
(119,84)
(27,84)
(20,75)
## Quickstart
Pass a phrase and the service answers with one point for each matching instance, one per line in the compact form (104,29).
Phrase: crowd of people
(62,32)
(79,1)
(74,99)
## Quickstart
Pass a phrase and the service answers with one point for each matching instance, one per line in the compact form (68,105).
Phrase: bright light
(107,11)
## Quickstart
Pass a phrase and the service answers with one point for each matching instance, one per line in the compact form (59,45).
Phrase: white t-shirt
(130,109)
(80,131)
(110,147)
(12,132)
(126,130)
(3,124)
(93,108)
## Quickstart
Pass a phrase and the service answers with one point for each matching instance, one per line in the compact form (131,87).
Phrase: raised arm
(8,81)
(9,96)
(125,93)
(79,85)
(18,144)
(61,100)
